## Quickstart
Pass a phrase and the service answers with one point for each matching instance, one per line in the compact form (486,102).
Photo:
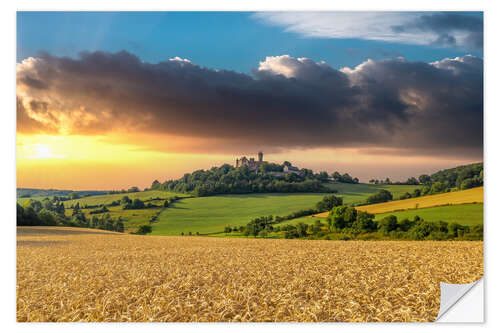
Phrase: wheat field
(70,274)
(473,195)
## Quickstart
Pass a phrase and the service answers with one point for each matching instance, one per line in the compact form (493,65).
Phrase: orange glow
(114,162)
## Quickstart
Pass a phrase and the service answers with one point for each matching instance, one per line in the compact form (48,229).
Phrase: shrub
(381,196)
(328,202)
(364,223)
(387,224)
(291,233)
(263,233)
(144,229)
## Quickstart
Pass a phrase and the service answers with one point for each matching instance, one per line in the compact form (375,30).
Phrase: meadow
(358,193)
(109,198)
(466,214)
(76,274)
(212,214)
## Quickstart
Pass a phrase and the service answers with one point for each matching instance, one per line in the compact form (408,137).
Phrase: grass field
(357,193)
(212,214)
(132,218)
(70,274)
(109,198)
(466,214)
(473,195)
(21,201)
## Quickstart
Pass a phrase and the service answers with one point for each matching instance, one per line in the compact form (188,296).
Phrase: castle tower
(261,156)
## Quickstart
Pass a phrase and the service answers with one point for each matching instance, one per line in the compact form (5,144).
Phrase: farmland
(474,195)
(358,193)
(68,274)
(466,214)
(212,214)
(109,198)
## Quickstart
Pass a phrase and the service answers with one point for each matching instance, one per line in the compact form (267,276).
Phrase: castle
(254,165)
(251,163)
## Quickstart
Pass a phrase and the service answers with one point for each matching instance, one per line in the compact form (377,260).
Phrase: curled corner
(451,294)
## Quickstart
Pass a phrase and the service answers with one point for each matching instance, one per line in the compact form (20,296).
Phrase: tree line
(461,177)
(51,212)
(227,179)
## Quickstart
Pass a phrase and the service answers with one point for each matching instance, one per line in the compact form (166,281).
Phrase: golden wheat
(66,274)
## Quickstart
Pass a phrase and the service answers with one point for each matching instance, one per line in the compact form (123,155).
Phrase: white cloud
(380,26)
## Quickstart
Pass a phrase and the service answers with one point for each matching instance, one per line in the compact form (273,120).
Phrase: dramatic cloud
(448,29)
(286,103)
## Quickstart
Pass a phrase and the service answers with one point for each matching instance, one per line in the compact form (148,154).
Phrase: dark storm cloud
(285,103)
(448,26)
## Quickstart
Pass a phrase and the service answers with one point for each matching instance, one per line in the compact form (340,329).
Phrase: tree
(263,233)
(424,179)
(341,217)
(138,204)
(133,189)
(119,226)
(336,176)
(438,187)
(328,202)
(388,224)
(145,229)
(46,217)
(302,229)
(412,181)
(36,205)
(323,176)
(76,209)
(125,200)
(381,196)
(156,185)
(363,223)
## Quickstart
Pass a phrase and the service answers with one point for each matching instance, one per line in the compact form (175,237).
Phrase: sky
(113,100)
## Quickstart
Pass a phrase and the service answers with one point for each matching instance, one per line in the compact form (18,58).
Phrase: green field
(21,201)
(109,198)
(466,214)
(132,218)
(357,193)
(212,214)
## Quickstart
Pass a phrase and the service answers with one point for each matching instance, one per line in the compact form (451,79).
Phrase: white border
(492,165)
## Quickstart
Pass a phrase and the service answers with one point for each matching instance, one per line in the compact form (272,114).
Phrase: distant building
(291,169)
(251,163)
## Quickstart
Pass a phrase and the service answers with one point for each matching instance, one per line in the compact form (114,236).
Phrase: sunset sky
(113,100)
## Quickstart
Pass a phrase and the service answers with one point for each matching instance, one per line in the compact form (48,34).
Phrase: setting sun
(42,151)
